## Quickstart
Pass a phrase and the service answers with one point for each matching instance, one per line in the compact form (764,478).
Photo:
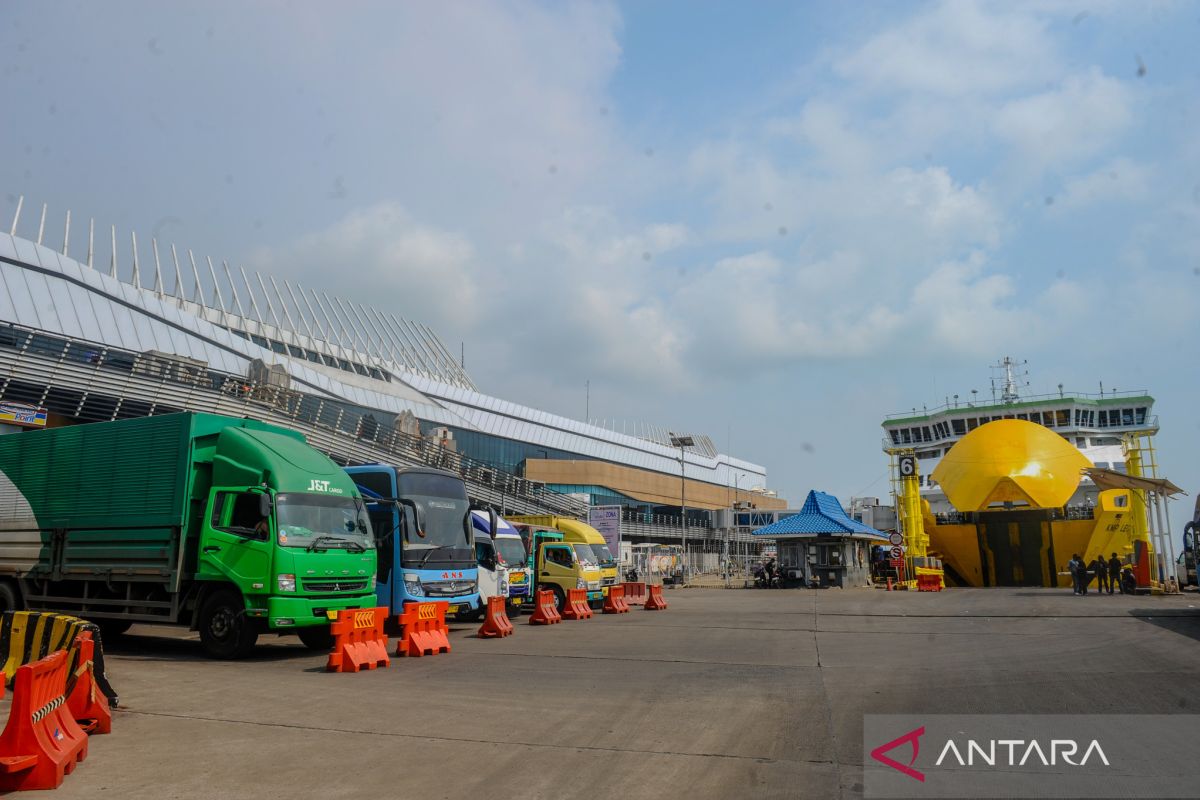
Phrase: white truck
(503,564)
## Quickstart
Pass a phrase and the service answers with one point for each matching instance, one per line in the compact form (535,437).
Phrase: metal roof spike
(233,289)
(212,273)
(17,215)
(67,233)
(42,224)
(158,281)
(178,293)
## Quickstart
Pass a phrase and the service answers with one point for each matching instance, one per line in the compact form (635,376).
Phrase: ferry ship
(1095,424)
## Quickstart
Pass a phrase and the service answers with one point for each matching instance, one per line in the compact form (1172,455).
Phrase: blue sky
(768,222)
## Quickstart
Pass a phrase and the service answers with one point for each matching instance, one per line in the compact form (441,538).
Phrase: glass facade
(503,454)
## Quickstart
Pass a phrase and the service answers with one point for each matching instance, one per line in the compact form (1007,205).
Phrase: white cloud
(1069,123)
(381,255)
(1121,180)
(955,49)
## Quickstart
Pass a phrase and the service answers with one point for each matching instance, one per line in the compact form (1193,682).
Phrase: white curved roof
(329,345)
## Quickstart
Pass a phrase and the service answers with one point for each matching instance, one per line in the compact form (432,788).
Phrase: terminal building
(133,331)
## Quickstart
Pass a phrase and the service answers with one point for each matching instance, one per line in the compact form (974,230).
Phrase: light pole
(682,442)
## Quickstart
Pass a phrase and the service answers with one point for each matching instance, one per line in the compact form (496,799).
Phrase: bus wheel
(224,630)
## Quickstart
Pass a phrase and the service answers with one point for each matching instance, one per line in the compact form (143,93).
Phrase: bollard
(654,599)
(87,704)
(495,621)
(615,602)
(358,640)
(576,606)
(545,610)
(423,629)
(41,743)
(635,592)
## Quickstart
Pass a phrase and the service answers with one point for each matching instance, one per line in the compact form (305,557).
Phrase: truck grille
(447,588)
(334,586)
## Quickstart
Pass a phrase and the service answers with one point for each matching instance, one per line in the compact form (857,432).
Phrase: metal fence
(84,380)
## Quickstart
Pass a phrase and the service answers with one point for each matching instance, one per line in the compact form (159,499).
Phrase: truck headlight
(287,583)
(580,583)
(412,585)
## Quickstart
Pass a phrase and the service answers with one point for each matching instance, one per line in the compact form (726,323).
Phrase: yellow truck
(589,545)
(559,565)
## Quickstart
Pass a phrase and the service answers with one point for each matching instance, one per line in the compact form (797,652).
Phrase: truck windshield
(444,505)
(586,557)
(322,521)
(510,550)
(603,555)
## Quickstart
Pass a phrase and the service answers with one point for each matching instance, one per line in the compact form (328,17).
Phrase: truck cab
(559,565)
(592,550)
(424,538)
(503,569)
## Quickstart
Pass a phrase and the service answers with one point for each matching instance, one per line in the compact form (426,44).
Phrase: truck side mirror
(264,505)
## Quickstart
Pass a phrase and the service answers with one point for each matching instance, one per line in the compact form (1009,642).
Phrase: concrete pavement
(728,693)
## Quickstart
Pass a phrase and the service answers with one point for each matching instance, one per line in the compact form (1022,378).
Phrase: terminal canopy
(1010,461)
(821,515)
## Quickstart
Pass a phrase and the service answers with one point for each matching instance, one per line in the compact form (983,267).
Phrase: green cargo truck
(231,526)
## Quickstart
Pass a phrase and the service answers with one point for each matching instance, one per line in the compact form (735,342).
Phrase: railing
(83,380)
(1032,398)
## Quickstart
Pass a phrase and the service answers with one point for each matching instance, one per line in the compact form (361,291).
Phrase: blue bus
(424,538)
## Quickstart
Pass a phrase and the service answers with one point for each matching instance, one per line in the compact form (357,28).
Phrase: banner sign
(607,520)
(21,414)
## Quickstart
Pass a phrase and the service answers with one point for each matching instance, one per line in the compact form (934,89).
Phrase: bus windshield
(510,551)
(445,508)
(322,521)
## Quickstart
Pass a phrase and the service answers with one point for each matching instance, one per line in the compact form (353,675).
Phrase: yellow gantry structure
(1010,480)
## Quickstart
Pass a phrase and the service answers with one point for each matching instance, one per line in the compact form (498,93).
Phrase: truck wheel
(224,629)
(112,628)
(560,598)
(317,637)
(477,614)
(8,598)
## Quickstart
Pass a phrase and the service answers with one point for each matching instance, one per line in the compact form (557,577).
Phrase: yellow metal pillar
(907,479)
(1140,462)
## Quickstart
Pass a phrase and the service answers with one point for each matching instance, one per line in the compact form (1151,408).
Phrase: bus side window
(382,522)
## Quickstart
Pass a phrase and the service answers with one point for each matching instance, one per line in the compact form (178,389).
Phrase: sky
(773,223)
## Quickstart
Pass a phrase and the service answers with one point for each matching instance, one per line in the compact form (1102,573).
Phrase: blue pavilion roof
(821,514)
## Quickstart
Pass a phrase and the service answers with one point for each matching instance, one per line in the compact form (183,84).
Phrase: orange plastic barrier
(635,592)
(929,583)
(423,629)
(615,602)
(576,606)
(358,640)
(85,701)
(545,610)
(654,599)
(495,621)
(41,742)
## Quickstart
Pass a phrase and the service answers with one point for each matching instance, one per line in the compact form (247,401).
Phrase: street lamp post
(681,442)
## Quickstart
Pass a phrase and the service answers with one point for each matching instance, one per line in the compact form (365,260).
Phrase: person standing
(1114,574)
(1075,566)
(1100,567)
